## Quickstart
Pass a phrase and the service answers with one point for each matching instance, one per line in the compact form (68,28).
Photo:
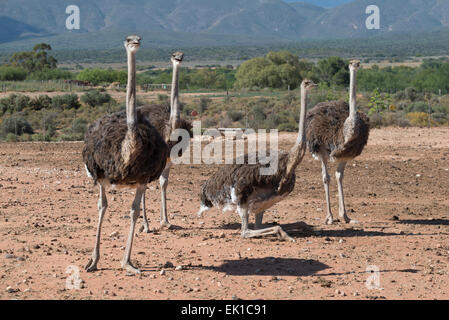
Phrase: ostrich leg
(102,206)
(339,174)
(146,226)
(259,218)
(135,212)
(326,181)
(248,233)
(163,180)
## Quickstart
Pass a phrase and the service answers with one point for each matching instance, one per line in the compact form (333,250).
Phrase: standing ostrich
(123,149)
(166,121)
(241,187)
(337,132)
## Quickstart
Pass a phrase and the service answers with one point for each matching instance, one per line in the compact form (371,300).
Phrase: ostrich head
(354,64)
(177,57)
(308,84)
(132,43)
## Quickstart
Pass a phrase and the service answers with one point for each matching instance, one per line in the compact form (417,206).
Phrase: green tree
(276,70)
(35,60)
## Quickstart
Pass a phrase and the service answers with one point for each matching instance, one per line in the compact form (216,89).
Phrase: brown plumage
(243,187)
(336,131)
(159,116)
(103,148)
(166,119)
(324,131)
(123,149)
(242,180)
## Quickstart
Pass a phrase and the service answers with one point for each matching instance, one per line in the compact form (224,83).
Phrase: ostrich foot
(348,220)
(144,229)
(166,225)
(130,268)
(329,220)
(284,236)
(91,266)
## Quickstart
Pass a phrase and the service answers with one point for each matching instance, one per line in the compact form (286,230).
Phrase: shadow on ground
(433,222)
(269,266)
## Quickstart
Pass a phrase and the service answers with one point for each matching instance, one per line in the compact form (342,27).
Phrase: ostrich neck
(131,102)
(175,112)
(297,152)
(353,94)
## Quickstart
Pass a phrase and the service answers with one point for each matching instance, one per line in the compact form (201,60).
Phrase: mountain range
(208,22)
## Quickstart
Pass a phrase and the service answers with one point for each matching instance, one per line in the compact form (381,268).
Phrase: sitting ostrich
(242,187)
(125,150)
(166,121)
(337,132)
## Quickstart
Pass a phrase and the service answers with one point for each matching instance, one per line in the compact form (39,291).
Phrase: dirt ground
(397,190)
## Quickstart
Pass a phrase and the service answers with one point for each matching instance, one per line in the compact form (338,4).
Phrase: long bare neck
(175,112)
(353,93)
(131,102)
(296,153)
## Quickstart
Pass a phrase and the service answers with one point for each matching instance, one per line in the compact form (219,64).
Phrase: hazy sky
(323,3)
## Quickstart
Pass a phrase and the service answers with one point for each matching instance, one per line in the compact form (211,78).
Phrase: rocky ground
(397,190)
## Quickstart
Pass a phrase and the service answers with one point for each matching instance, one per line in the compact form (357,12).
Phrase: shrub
(95,98)
(204,104)
(49,125)
(66,101)
(41,102)
(16,125)
(235,115)
(420,119)
(99,76)
(8,73)
(11,137)
(288,127)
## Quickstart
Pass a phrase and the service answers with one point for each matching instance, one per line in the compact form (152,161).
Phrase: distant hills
(207,22)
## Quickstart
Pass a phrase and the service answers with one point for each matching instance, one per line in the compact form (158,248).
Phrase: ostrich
(123,149)
(337,132)
(242,188)
(166,121)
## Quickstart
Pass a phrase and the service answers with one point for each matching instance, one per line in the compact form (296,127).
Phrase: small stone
(168,264)
(114,234)
(179,268)
(10,256)
(341,241)
(10,289)
(162,272)
(356,294)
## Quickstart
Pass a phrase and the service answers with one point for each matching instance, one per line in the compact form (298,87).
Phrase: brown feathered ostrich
(337,132)
(241,187)
(166,121)
(125,150)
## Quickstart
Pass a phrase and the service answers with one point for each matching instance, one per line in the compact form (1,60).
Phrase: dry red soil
(397,190)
